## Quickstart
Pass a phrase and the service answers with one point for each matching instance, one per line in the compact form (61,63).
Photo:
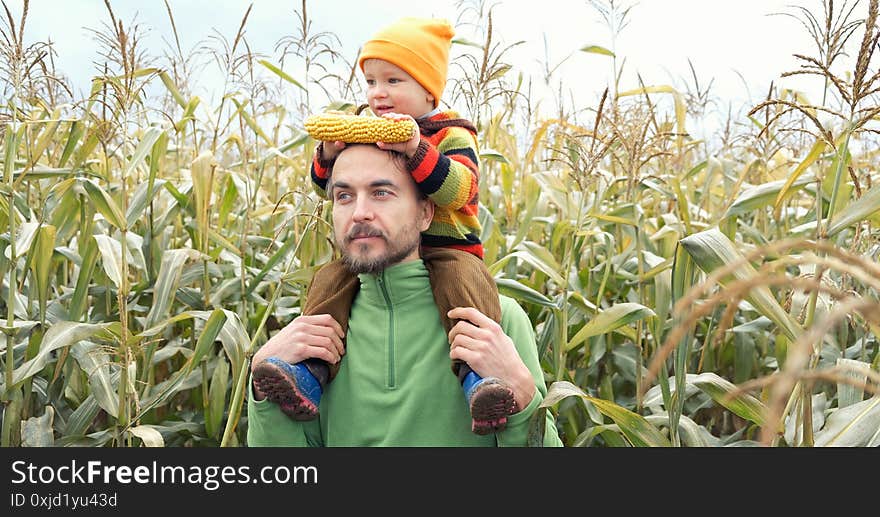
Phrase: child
(405,68)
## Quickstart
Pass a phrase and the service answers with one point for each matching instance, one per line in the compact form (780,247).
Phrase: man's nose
(363,211)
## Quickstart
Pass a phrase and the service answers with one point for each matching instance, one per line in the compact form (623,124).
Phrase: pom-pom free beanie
(420,46)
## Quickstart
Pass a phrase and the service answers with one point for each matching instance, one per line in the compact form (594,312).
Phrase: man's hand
(409,147)
(318,336)
(480,342)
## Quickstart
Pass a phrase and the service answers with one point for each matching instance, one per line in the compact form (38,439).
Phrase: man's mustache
(363,230)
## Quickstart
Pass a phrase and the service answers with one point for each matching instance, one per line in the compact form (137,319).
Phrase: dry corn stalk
(331,127)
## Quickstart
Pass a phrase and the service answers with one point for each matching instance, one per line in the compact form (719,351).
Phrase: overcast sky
(721,38)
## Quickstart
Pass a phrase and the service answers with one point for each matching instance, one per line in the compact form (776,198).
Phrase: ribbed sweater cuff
(418,157)
(322,165)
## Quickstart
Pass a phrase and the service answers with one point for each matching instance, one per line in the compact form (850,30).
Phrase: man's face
(378,215)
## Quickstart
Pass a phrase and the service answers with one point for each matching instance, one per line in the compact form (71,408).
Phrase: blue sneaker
(291,386)
(490,401)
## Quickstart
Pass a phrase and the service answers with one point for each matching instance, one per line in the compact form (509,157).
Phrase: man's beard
(396,249)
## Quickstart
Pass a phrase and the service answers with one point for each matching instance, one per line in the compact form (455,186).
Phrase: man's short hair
(397,157)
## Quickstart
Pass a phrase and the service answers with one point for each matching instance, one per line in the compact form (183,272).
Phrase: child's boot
(490,401)
(292,386)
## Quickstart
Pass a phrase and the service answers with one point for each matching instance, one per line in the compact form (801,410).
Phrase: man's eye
(342,196)
(381,193)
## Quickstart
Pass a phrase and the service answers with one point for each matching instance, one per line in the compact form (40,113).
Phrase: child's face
(392,90)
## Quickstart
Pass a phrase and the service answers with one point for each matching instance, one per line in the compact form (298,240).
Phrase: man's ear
(427,214)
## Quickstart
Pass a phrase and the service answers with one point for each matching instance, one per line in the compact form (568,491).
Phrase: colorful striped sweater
(446,169)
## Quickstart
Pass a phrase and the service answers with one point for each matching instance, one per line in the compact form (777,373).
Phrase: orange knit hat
(420,46)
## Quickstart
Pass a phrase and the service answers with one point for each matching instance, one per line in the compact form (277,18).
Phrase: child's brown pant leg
(332,292)
(460,279)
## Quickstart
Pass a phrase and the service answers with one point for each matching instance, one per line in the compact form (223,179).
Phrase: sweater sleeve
(518,327)
(268,426)
(447,173)
(320,171)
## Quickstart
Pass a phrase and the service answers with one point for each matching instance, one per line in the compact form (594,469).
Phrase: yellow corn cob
(331,127)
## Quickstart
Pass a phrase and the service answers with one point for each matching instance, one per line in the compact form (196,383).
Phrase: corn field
(721,291)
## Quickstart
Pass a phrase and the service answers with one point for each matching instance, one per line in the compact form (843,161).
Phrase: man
(394,386)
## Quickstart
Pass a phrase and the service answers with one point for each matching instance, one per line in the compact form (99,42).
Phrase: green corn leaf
(77,129)
(11,417)
(43,252)
(215,236)
(281,73)
(615,219)
(102,201)
(46,137)
(9,154)
(810,159)
(539,257)
(283,250)
(159,327)
(172,88)
(711,250)
(157,157)
(857,211)
(167,282)
(853,426)
(517,290)
(684,277)
(111,258)
(692,434)
(27,233)
(142,150)
(217,397)
(149,435)
(85,150)
(487,154)
(18,329)
(37,431)
(847,393)
(609,320)
(467,43)
(249,120)
(181,377)
(139,201)
(209,334)
(202,181)
(82,418)
(743,404)
(635,427)
(80,292)
(188,113)
(95,362)
(230,194)
(62,334)
(40,172)
(765,194)
(596,49)
(235,340)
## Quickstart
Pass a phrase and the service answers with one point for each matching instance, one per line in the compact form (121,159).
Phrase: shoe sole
(279,388)
(490,406)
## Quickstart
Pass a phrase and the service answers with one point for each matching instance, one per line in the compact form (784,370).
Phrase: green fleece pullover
(395,386)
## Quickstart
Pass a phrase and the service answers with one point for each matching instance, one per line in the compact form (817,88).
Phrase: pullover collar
(399,283)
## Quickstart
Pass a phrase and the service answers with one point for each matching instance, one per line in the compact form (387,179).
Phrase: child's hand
(330,150)
(409,147)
